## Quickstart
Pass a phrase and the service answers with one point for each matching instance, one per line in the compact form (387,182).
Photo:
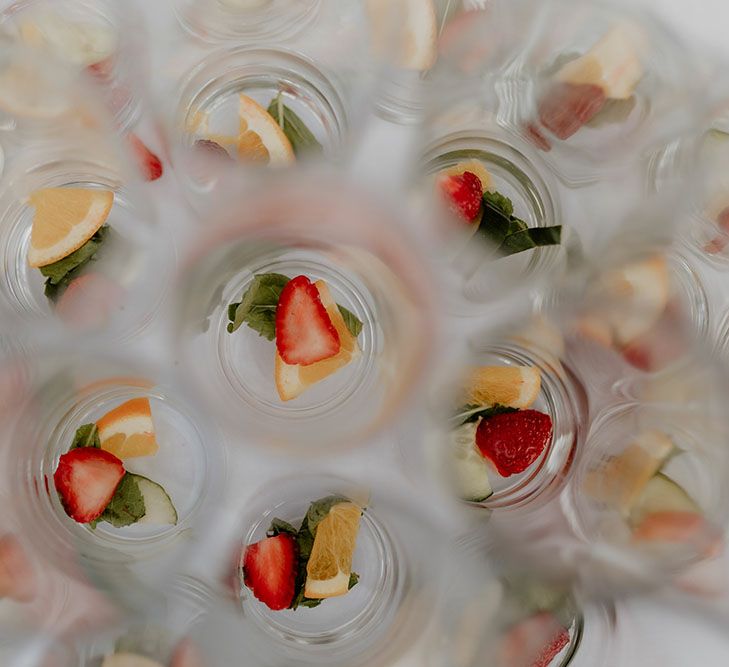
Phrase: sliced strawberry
(88,301)
(718,243)
(567,107)
(512,441)
(534,641)
(102,70)
(86,479)
(18,580)
(269,570)
(304,331)
(149,164)
(534,134)
(464,193)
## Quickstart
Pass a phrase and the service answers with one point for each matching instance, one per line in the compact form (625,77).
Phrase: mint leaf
(279,526)
(127,504)
(353,580)
(60,274)
(472,413)
(86,436)
(257,309)
(354,324)
(527,239)
(293,127)
(500,202)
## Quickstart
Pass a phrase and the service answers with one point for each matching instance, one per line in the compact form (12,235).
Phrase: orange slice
(261,138)
(65,218)
(330,563)
(26,92)
(511,386)
(128,430)
(293,380)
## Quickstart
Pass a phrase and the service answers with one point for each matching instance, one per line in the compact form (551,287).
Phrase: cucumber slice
(662,494)
(469,470)
(159,508)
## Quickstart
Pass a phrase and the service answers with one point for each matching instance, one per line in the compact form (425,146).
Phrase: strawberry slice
(149,164)
(534,641)
(304,331)
(89,301)
(464,193)
(567,107)
(86,479)
(269,570)
(512,441)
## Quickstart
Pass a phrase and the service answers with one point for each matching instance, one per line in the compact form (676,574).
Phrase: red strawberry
(720,242)
(535,641)
(86,479)
(464,193)
(102,70)
(89,301)
(512,441)
(269,570)
(534,134)
(304,331)
(567,107)
(149,164)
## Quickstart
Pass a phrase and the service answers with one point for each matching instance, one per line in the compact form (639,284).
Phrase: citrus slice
(261,139)
(330,563)
(511,386)
(292,380)
(408,25)
(129,660)
(128,430)
(27,92)
(475,167)
(65,218)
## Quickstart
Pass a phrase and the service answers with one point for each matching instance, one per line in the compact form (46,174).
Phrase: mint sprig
(60,274)
(86,436)
(507,233)
(467,414)
(258,306)
(293,127)
(126,505)
(317,512)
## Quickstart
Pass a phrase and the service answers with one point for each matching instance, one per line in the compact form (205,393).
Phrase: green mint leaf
(472,413)
(257,308)
(127,504)
(354,324)
(86,436)
(353,580)
(310,602)
(57,271)
(279,526)
(293,127)
(495,225)
(499,202)
(530,238)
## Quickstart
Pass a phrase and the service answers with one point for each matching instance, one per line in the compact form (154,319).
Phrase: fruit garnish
(158,507)
(329,568)
(678,527)
(717,244)
(149,165)
(26,93)
(566,107)
(128,430)
(270,568)
(88,300)
(260,138)
(129,660)
(510,386)
(304,331)
(212,148)
(64,220)
(468,468)
(621,479)
(102,69)
(301,138)
(533,642)
(512,441)
(473,166)
(17,577)
(407,29)
(463,194)
(86,479)
(661,494)
(292,380)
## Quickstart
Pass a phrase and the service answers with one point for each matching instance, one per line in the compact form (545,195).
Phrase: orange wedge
(512,386)
(261,139)
(330,563)
(292,380)
(65,218)
(128,430)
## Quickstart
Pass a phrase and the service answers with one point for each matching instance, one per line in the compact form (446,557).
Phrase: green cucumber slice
(661,494)
(159,508)
(469,470)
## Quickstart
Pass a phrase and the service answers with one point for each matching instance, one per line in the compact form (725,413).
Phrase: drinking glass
(597,87)
(324,229)
(74,382)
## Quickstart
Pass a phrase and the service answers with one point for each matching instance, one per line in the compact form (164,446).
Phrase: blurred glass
(323,229)
(71,383)
(597,86)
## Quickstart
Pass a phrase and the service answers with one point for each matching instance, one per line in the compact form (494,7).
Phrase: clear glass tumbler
(330,234)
